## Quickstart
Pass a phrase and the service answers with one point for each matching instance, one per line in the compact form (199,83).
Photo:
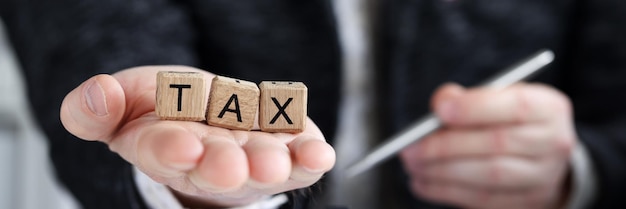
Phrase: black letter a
(236,110)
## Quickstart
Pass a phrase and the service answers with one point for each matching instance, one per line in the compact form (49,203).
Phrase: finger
(312,157)
(94,109)
(163,150)
(500,173)
(467,197)
(485,106)
(268,160)
(528,140)
(223,168)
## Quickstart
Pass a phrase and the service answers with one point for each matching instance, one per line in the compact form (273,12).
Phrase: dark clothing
(419,45)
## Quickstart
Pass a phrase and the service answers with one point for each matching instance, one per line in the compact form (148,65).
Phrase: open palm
(203,164)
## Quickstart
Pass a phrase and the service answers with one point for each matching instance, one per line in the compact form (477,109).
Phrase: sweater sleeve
(62,43)
(596,86)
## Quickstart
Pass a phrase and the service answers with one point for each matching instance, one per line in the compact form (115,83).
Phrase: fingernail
(96,100)
(447,110)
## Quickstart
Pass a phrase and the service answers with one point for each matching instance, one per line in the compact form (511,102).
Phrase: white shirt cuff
(583,179)
(158,196)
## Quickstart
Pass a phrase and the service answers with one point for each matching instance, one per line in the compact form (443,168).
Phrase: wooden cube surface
(181,96)
(283,106)
(233,103)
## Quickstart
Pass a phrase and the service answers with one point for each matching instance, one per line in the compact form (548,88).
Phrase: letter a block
(283,106)
(181,96)
(233,103)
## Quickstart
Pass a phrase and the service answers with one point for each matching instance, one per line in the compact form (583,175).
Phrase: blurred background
(26,177)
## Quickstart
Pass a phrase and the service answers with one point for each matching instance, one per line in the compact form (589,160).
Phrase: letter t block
(233,103)
(181,96)
(283,106)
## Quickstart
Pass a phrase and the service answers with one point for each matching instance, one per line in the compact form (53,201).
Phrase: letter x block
(181,96)
(283,106)
(233,103)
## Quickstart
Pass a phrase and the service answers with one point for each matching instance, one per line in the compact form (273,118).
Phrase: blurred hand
(505,148)
(204,165)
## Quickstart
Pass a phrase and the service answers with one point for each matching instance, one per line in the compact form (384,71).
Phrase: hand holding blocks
(232,103)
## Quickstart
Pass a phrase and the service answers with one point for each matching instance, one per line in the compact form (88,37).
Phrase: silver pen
(431,123)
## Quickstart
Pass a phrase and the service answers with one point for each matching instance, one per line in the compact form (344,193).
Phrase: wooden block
(283,106)
(181,96)
(233,103)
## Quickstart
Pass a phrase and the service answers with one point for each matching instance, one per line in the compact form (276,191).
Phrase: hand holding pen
(493,147)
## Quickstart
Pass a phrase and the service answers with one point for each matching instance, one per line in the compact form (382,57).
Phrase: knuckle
(499,140)
(565,145)
(541,98)
(522,108)
(556,99)
(495,171)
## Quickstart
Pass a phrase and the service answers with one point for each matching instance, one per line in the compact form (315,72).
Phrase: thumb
(93,110)
(443,100)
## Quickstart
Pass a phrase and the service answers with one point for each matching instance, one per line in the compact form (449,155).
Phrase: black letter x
(281,110)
